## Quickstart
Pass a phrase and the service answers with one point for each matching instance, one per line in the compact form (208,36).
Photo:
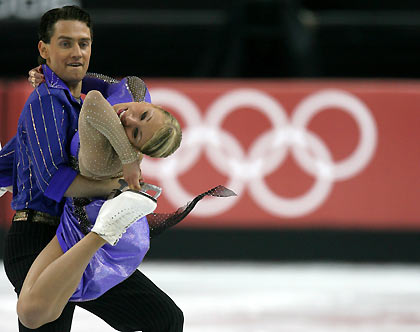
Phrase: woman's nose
(129,120)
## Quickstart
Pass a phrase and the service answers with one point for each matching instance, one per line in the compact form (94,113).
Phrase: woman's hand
(36,77)
(132,174)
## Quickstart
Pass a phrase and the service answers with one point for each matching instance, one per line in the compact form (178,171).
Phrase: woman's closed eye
(135,133)
(143,116)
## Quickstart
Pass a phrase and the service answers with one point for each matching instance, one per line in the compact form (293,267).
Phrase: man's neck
(75,89)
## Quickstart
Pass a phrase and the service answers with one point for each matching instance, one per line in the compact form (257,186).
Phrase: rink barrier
(299,154)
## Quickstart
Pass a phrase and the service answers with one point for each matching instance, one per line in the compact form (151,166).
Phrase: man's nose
(76,51)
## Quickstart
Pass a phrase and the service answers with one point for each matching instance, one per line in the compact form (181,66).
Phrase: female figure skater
(84,260)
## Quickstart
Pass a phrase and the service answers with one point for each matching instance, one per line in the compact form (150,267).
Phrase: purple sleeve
(46,127)
(94,83)
(147,97)
(128,90)
(119,93)
(60,182)
(7,154)
(116,91)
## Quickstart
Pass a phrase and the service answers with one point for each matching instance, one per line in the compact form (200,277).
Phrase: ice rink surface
(238,297)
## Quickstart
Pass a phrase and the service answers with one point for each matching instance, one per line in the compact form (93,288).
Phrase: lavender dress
(110,265)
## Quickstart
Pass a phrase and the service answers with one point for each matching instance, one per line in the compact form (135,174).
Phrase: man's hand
(36,77)
(132,174)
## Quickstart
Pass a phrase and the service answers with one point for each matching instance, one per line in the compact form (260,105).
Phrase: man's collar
(53,81)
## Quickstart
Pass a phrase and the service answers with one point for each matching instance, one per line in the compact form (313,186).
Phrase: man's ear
(43,49)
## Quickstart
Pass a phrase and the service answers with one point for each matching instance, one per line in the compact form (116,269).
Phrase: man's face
(68,52)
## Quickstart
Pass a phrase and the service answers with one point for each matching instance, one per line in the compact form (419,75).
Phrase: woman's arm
(99,125)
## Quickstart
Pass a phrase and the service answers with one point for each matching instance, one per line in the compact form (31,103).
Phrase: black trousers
(136,304)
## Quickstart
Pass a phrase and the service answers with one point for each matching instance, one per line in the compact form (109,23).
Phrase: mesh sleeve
(99,123)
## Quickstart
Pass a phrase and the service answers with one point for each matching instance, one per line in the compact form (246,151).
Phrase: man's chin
(74,78)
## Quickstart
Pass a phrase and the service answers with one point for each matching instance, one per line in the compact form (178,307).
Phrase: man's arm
(48,123)
(80,187)
(84,187)
(46,145)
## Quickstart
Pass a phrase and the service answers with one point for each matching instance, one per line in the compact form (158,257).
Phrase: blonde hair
(166,140)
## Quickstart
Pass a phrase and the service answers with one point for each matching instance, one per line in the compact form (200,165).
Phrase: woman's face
(140,121)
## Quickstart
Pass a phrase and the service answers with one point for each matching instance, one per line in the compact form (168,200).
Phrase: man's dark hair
(48,20)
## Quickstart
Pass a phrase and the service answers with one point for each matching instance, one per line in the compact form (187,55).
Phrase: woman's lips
(121,111)
(120,114)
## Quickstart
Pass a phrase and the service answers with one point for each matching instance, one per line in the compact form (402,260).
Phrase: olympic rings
(247,170)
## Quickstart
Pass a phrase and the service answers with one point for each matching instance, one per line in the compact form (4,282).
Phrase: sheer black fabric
(159,222)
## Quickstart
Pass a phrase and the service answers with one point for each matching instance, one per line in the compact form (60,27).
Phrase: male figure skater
(42,177)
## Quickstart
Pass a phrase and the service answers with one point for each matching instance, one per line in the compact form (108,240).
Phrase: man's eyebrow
(70,38)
